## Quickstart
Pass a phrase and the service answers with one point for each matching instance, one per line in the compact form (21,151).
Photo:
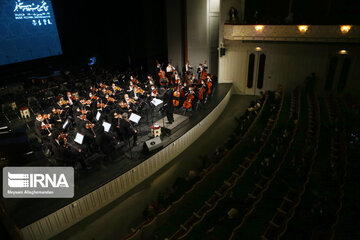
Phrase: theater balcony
(293,33)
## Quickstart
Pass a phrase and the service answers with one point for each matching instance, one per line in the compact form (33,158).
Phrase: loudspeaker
(153,144)
(222,51)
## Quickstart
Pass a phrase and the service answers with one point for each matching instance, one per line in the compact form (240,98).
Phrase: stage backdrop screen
(27,31)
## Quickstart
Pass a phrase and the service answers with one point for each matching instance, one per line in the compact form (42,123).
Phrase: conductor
(168,105)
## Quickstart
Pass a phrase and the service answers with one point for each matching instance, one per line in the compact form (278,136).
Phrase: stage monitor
(27,31)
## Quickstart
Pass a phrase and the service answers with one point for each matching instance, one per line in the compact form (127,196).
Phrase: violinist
(154,92)
(169,70)
(39,128)
(187,68)
(126,130)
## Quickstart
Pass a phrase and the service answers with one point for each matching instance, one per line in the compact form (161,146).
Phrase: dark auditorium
(180,119)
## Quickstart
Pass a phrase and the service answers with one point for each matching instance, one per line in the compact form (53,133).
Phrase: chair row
(278,224)
(141,231)
(338,156)
(229,184)
(265,181)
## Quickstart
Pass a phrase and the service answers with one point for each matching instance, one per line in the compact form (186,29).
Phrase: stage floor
(26,211)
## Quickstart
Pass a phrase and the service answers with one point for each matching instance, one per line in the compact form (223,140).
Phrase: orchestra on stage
(96,117)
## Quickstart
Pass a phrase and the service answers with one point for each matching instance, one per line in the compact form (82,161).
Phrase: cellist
(176,97)
(163,80)
(190,96)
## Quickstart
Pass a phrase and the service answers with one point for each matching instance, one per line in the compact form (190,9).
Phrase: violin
(105,91)
(110,99)
(123,104)
(94,89)
(116,88)
(63,102)
(101,105)
(131,100)
(117,115)
(56,111)
(103,85)
(154,93)
(46,126)
(84,111)
(46,116)
(93,97)
(139,90)
(82,117)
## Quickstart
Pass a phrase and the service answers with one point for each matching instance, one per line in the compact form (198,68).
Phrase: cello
(189,98)
(163,80)
(176,97)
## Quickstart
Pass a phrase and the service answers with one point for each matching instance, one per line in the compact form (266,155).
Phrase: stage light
(345,28)
(258,49)
(303,28)
(259,28)
(343,52)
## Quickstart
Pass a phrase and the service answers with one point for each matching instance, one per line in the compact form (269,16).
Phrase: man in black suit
(168,105)
(126,131)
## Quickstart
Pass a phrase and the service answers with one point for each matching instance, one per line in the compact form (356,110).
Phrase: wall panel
(287,64)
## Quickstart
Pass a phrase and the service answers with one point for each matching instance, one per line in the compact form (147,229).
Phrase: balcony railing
(290,33)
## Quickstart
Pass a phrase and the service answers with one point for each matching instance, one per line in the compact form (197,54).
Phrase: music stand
(106,126)
(98,115)
(134,118)
(65,124)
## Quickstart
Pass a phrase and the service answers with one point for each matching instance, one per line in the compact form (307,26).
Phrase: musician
(39,128)
(199,70)
(126,130)
(187,68)
(168,105)
(169,70)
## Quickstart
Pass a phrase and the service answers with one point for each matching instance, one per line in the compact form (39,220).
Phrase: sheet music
(98,115)
(65,124)
(156,102)
(134,118)
(79,138)
(106,126)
